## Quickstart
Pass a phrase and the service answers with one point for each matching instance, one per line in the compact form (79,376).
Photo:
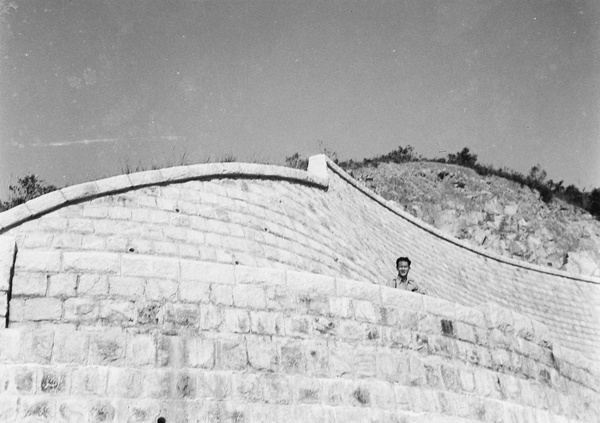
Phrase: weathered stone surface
(112,324)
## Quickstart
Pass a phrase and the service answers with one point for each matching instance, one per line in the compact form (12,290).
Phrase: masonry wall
(244,344)
(273,217)
(253,293)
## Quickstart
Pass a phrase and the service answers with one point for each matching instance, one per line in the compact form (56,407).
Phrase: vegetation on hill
(27,188)
(535,179)
(31,186)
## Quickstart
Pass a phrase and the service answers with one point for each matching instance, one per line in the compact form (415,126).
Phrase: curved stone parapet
(239,343)
(256,291)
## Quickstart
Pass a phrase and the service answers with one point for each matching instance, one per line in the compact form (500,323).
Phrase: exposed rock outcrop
(492,212)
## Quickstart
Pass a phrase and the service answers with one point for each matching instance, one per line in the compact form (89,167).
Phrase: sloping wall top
(266,216)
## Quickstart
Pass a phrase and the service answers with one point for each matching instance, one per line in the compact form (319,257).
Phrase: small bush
(296,161)
(27,188)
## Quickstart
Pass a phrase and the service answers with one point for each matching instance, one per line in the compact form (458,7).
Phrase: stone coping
(88,190)
(390,205)
(316,177)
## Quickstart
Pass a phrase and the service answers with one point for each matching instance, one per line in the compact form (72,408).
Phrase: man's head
(403,266)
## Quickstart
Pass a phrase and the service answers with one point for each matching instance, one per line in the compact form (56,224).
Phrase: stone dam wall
(242,292)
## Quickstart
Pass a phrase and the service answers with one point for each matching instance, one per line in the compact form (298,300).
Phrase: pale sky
(89,86)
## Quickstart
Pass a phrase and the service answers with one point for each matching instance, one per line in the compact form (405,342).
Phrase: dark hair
(406,259)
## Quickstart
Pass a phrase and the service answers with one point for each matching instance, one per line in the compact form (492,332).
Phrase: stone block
(71,410)
(262,354)
(17,310)
(80,191)
(259,276)
(307,391)
(438,307)
(317,358)
(340,307)
(38,261)
(194,291)
(450,377)
(37,240)
(510,387)
(183,385)
(429,323)
(38,309)
(382,394)
(8,408)
(126,287)
(81,310)
(8,248)
(19,380)
(221,294)
(68,241)
(392,366)
(54,381)
(141,351)
(207,272)
(365,364)
(246,387)
(10,346)
(37,345)
(266,323)
(467,380)
(124,382)
(157,383)
(53,223)
(107,348)
(297,326)
(92,285)
(249,296)
(70,347)
(30,284)
(310,282)
(90,262)
(77,225)
(366,311)
(170,351)
(3,308)
(542,335)
(277,388)
(311,303)
(236,321)
(279,298)
(15,215)
(211,317)
(175,233)
(341,359)
(469,315)
(497,317)
(200,353)
(161,289)
(358,290)
(401,299)
(464,332)
(150,266)
(122,313)
(232,354)
(214,385)
(62,285)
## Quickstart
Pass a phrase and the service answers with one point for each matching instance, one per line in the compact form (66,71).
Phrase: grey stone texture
(216,297)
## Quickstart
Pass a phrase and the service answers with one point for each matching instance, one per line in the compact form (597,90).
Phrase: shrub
(296,161)
(27,188)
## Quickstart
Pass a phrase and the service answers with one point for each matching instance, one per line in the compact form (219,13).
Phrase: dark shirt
(407,285)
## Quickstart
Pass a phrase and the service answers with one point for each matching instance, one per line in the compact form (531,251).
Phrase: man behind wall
(402,281)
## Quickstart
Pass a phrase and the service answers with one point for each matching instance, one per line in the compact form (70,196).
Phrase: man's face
(403,268)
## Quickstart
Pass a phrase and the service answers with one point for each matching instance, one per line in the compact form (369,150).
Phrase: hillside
(491,212)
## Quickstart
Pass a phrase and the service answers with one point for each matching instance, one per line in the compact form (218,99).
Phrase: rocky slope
(494,213)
